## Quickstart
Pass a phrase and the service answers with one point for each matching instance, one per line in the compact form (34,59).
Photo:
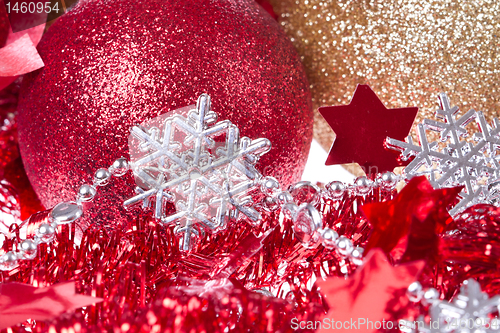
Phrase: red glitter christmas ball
(113,64)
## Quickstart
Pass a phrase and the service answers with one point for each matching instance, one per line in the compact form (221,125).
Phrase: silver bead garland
(307,222)
(308,225)
(62,213)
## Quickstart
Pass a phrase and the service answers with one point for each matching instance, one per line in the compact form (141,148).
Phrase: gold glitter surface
(406,50)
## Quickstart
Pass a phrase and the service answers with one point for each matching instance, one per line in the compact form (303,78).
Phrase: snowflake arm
(470,311)
(473,165)
(204,164)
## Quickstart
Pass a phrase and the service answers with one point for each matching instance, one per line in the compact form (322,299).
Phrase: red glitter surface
(111,65)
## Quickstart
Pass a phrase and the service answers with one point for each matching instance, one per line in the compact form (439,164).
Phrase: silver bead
(388,180)
(270,204)
(37,240)
(329,237)
(269,185)
(357,255)
(101,177)
(284,197)
(290,210)
(415,292)
(344,245)
(362,185)
(335,190)
(306,222)
(290,297)
(430,295)
(8,261)
(66,212)
(46,233)
(119,167)
(263,291)
(304,192)
(86,192)
(28,248)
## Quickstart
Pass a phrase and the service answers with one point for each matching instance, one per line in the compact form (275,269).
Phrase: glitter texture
(111,65)
(406,50)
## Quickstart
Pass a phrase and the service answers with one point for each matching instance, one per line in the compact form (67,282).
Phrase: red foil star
(369,300)
(407,226)
(361,128)
(19,302)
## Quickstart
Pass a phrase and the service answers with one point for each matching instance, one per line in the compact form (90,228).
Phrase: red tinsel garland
(469,248)
(148,284)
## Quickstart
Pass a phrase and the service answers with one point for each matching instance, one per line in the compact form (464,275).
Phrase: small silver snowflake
(471,311)
(473,165)
(200,164)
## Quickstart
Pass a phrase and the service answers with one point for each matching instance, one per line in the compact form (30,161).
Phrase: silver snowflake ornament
(201,165)
(454,161)
(471,311)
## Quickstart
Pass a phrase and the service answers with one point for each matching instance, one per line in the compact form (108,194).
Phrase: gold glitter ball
(406,50)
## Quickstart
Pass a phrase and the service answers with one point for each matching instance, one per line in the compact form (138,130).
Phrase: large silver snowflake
(471,311)
(200,164)
(473,165)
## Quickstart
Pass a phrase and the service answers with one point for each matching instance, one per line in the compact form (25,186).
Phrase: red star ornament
(361,128)
(367,301)
(19,302)
(407,227)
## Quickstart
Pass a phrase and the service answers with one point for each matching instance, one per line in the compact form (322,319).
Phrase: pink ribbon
(19,55)
(19,302)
